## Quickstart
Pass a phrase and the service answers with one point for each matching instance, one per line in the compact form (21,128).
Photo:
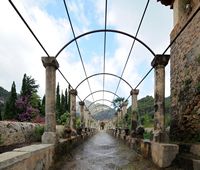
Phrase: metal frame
(97,74)
(98,92)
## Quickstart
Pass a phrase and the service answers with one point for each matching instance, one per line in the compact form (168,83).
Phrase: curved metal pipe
(97,74)
(106,30)
(98,92)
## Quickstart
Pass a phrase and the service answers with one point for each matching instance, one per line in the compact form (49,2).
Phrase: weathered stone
(185,52)
(195,149)
(9,158)
(73,94)
(163,154)
(134,107)
(51,64)
(13,133)
(49,137)
(81,103)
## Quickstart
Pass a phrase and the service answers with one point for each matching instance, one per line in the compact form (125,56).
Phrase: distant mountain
(4,94)
(105,115)
(145,106)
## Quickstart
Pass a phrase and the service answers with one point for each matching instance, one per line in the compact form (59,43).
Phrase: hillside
(104,115)
(4,94)
(145,106)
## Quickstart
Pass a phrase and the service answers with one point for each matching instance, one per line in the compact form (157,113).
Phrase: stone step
(188,161)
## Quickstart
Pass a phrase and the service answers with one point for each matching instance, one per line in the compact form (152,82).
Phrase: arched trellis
(107,91)
(98,101)
(106,30)
(97,74)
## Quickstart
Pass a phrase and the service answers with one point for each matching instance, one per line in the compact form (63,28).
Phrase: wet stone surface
(103,152)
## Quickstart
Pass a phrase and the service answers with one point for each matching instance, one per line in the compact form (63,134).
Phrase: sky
(20,53)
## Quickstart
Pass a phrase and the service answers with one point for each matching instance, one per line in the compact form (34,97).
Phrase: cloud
(20,53)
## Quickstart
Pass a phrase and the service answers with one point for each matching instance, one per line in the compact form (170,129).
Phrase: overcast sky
(20,53)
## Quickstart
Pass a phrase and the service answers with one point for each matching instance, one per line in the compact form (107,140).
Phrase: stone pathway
(103,152)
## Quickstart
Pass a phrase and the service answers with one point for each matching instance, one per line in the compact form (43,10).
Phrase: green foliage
(29,86)
(147,120)
(39,130)
(146,105)
(66,100)
(78,122)
(118,101)
(10,108)
(64,119)
(1,140)
(148,135)
(62,104)
(4,94)
(58,114)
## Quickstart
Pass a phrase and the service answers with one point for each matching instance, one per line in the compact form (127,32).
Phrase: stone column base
(163,154)
(49,138)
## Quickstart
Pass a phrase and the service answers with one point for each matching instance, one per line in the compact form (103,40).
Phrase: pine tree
(62,104)
(10,109)
(58,101)
(69,88)
(66,100)
(29,86)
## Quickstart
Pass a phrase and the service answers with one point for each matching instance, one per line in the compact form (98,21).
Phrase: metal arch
(98,101)
(106,30)
(98,92)
(97,74)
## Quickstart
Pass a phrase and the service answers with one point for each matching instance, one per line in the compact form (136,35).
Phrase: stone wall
(15,133)
(33,157)
(185,80)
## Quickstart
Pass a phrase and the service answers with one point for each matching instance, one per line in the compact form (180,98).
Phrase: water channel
(103,152)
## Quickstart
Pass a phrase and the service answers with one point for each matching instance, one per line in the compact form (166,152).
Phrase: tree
(66,100)
(62,104)
(118,102)
(69,99)
(10,109)
(28,102)
(58,101)
(29,86)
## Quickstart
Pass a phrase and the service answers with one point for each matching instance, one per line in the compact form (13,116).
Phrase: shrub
(39,130)
(148,135)
(64,118)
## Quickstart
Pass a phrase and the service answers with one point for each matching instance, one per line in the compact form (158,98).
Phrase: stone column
(134,108)
(89,120)
(51,65)
(124,108)
(73,94)
(86,117)
(118,116)
(159,63)
(81,103)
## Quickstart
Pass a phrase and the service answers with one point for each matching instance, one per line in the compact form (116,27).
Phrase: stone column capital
(134,92)
(73,92)
(50,61)
(160,60)
(81,103)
